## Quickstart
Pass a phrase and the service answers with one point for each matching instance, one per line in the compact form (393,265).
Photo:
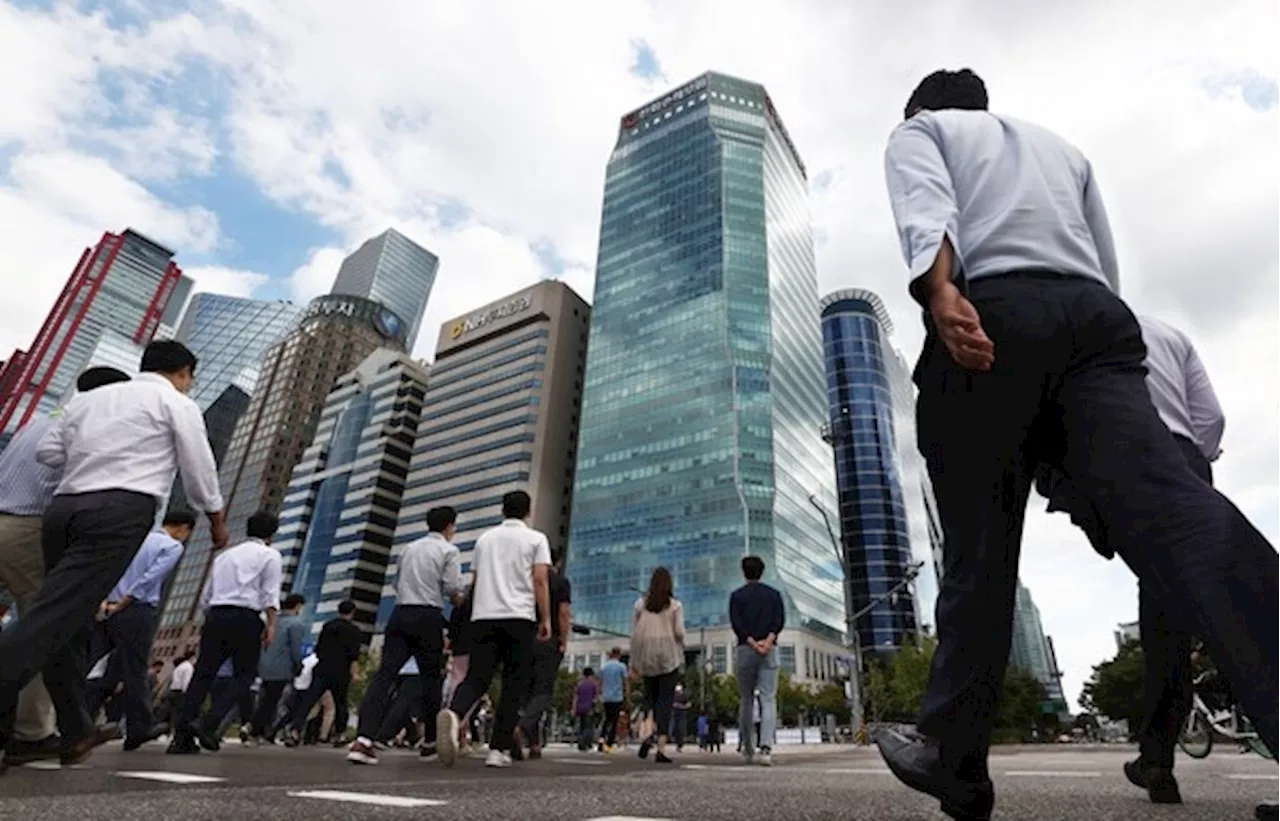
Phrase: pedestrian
(120,448)
(511,608)
(1031,357)
(702,731)
(680,717)
(243,588)
(129,619)
(548,656)
(293,698)
(613,694)
(337,664)
(179,681)
(26,491)
(405,708)
(657,654)
(459,646)
(715,732)
(280,663)
(585,695)
(430,575)
(758,615)
(1183,396)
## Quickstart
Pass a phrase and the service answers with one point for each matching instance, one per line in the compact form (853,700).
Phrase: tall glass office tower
(229,335)
(393,270)
(703,401)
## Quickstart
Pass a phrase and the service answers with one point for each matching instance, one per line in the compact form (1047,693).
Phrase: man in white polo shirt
(511,606)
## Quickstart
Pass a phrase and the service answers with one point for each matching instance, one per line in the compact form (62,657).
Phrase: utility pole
(850,620)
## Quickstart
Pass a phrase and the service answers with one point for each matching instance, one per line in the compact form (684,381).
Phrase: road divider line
(52,765)
(626,818)
(1252,777)
(580,762)
(369,798)
(170,778)
(858,771)
(1053,774)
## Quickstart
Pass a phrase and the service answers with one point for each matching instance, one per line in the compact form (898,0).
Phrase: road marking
(626,818)
(1252,777)
(724,768)
(52,765)
(369,798)
(170,778)
(583,762)
(1053,773)
(858,771)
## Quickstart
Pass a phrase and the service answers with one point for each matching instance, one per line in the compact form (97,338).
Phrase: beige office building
(501,413)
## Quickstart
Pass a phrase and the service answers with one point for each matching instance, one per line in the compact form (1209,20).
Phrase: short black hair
(99,377)
(168,356)
(293,600)
(948,89)
(438,518)
(178,518)
(516,505)
(587,671)
(346,608)
(752,568)
(262,525)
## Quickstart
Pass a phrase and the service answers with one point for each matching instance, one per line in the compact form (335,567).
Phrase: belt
(228,607)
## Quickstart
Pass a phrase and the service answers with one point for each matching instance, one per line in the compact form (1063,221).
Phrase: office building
(1127,632)
(395,271)
(111,350)
(338,520)
(334,334)
(127,284)
(701,437)
(1032,651)
(229,335)
(501,413)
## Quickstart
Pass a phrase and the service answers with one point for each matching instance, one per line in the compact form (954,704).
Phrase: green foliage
(367,666)
(1019,709)
(1115,687)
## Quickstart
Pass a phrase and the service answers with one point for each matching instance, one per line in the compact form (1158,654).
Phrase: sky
(265,140)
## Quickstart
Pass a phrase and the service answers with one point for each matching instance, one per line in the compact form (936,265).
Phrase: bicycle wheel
(1196,738)
(1254,743)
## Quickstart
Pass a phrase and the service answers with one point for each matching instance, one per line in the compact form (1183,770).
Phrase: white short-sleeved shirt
(503,563)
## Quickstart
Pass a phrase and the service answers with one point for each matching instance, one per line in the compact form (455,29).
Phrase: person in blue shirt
(613,680)
(279,664)
(127,619)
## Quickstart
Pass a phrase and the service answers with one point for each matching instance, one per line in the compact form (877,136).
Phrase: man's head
(347,610)
(293,603)
(172,360)
(557,557)
(157,666)
(752,568)
(443,521)
(587,672)
(179,524)
(615,653)
(262,525)
(948,89)
(516,505)
(99,377)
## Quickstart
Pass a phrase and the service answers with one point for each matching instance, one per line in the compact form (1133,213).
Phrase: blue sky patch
(644,63)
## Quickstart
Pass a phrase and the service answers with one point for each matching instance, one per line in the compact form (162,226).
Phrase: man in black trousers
(1030,357)
(120,448)
(337,654)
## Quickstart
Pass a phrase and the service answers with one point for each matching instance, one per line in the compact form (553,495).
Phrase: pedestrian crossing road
(317,784)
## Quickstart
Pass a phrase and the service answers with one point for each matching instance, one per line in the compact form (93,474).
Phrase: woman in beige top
(657,654)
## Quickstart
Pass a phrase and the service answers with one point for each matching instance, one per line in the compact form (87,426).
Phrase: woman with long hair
(657,654)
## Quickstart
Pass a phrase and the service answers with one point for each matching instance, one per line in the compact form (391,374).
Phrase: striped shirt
(26,486)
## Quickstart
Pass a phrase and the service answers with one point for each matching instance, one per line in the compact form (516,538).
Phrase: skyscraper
(127,284)
(334,334)
(1031,651)
(704,403)
(229,335)
(395,271)
(338,520)
(501,413)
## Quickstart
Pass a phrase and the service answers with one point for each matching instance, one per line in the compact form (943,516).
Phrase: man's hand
(218,530)
(960,328)
(562,644)
(268,635)
(544,629)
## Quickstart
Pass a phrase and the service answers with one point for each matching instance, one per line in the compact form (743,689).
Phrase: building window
(720,659)
(787,658)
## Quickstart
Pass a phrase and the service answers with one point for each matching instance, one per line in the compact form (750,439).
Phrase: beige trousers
(22,574)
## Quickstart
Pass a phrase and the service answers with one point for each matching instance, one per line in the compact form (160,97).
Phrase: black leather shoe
(24,752)
(1161,786)
(208,740)
(183,744)
(918,764)
(1266,812)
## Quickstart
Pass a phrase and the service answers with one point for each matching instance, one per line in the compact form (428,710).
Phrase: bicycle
(1196,738)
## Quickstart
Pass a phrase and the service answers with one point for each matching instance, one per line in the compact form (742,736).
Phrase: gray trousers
(88,540)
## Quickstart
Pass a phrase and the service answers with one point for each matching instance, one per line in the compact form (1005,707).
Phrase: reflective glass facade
(112,350)
(229,335)
(395,271)
(703,405)
(338,521)
(874,532)
(1031,651)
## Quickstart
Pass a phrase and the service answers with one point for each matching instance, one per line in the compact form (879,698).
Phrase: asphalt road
(813,783)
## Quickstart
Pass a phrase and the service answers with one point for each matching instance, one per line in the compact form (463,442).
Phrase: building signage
(331,307)
(359,310)
(483,318)
(665,103)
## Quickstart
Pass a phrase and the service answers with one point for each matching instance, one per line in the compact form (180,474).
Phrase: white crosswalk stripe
(1053,774)
(170,778)
(369,798)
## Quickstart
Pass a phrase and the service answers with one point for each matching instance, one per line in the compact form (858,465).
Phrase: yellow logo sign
(457,330)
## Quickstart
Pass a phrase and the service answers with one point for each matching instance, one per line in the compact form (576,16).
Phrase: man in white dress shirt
(243,588)
(1031,357)
(120,448)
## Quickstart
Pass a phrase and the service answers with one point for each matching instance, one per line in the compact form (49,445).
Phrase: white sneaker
(764,758)
(497,758)
(447,737)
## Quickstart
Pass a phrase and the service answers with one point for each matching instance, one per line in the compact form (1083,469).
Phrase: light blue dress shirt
(145,577)
(1011,196)
(26,486)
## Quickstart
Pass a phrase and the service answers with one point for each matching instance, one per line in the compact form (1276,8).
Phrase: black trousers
(330,678)
(659,695)
(227,633)
(264,716)
(1068,389)
(412,631)
(541,690)
(129,634)
(404,712)
(612,709)
(505,642)
(88,540)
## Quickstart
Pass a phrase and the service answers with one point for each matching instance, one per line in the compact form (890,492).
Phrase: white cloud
(364,121)
(215,279)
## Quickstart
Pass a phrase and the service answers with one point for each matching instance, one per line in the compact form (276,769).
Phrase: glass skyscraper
(393,270)
(703,403)
(874,532)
